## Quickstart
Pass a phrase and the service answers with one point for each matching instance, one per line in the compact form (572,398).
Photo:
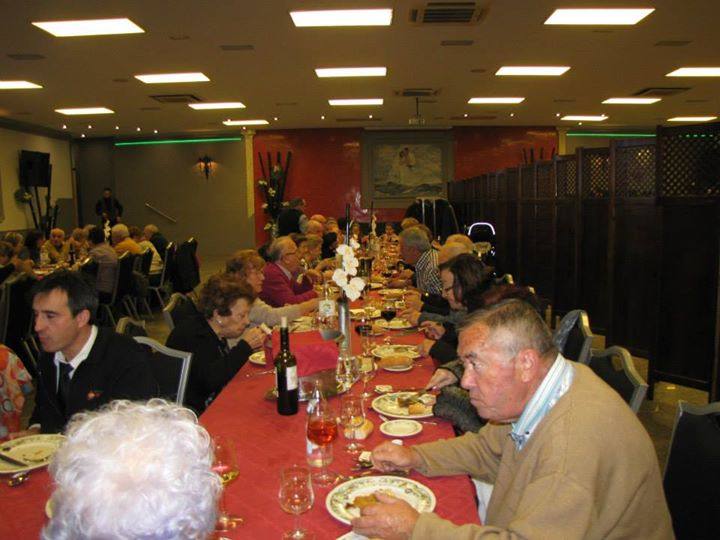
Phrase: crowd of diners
(564,454)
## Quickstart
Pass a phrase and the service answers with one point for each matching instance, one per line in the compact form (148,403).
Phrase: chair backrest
(175,309)
(692,472)
(125,280)
(615,366)
(573,336)
(128,326)
(187,271)
(168,263)
(145,261)
(89,268)
(171,368)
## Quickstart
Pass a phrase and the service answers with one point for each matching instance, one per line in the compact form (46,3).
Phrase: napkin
(311,351)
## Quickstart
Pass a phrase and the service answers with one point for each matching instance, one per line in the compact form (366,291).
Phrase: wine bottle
(286,378)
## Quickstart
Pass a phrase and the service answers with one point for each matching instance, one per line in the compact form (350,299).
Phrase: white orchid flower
(340,278)
(354,288)
(344,250)
(354,243)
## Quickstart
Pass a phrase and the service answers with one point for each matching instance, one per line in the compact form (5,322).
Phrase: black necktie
(224,347)
(64,384)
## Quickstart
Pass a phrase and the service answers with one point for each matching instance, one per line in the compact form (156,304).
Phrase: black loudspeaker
(34,168)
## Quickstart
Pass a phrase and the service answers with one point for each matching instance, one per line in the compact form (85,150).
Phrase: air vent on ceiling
(362,119)
(26,56)
(661,91)
(237,47)
(456,42)
(673,43)
(482,117)
(417,92)
(433,13)
(176,98)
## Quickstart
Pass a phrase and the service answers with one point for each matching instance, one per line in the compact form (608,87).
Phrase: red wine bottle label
(291,377)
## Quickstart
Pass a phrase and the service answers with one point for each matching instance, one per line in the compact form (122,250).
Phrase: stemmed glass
(367,372)
(322,430)
(296,496)
(352,416)
(225,465)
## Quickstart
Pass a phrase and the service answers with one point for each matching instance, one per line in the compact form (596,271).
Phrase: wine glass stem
(297,525)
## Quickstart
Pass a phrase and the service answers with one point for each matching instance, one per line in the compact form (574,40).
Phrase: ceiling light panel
(585,118)
(351,102)
(495,100)
(692,118)
(85,110)
(164,78)
(17,85)
(351,72)
(598,17)
(342,17)
(631,101)
(552,71)
(89,27)
(695,72)
(215,106)
(246,122)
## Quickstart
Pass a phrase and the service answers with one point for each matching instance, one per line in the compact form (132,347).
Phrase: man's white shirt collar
(80,356)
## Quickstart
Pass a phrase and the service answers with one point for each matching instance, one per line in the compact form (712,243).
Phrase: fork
(386,419)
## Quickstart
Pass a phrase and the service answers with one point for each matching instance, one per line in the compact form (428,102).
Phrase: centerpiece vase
(344,323)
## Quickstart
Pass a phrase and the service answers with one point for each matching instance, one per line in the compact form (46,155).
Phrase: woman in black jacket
(222,315)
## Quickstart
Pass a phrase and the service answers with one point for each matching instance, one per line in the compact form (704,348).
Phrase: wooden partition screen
(528,263)
(509,202)
(566,234)
(545,229)
(688,190)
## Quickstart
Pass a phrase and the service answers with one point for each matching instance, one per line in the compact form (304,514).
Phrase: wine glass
(296,496)
(225,465)
(368,368)
(352,416)
(388,310)
(322,430)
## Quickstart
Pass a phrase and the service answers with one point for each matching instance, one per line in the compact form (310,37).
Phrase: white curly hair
(134,470)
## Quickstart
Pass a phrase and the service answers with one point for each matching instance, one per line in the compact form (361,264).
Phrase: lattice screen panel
(635,171)
(544,180)
(527,175)
(596,173)
(689,161)
(566,170)
(511,181)
(492,183)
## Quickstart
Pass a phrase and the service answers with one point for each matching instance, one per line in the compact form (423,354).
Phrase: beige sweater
(588,471)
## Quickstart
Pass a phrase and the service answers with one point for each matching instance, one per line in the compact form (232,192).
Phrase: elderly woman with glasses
(248,267)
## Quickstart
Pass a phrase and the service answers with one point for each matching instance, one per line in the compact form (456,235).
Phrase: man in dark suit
(109,208)
(82,366)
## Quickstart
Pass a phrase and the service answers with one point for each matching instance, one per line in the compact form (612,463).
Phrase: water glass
(296,496)
(352,417)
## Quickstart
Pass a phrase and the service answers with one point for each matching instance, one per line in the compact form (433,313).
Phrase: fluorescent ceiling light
(246,122)
(695,72)
(692,118)
(597,17)
(218,105)
(631,101)
(490,100)
(351,72)
(532,70)
(343,102)
(90,27)
(342,17)
(85,110)
(17,85)
(160,78)
(585,118)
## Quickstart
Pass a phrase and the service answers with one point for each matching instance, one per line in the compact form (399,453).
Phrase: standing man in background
(109,208)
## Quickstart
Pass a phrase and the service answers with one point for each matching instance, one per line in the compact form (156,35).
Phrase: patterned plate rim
(44,438)
(376,407)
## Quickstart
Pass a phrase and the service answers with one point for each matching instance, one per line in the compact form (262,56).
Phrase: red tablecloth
(266,442)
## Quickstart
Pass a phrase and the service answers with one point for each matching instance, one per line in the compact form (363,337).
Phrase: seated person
(389,235)
(283,282)
(310,251)
(15,384)
(10,263)
(56,247)
(408,222)
(248,267)
(329,245)
(315,227)
(82,366)
(34,241)
(319,218)
(567,456)
(461,239)
(121,240)
(107,262)
(153,234)
(156,264)
(222,314)
(16,240)
(134,470)
(78,244)
(416,250)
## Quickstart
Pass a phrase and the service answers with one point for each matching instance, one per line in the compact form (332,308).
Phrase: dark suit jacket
(211,368)
(116,368)
(160,243)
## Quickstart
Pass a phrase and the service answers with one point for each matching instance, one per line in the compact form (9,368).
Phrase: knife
(12,461)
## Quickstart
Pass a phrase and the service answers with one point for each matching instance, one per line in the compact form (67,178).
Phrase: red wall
(326,165)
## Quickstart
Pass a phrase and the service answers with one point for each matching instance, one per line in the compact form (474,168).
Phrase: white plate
(257,358)
(396,350)
(35,450)
(387,405)
(395,324)
(401,428)
(414,493)
(358,313)
(398,369)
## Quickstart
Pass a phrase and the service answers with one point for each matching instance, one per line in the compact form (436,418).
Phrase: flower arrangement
(345,277)
(272,187)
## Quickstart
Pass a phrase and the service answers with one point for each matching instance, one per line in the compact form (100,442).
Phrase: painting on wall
(400,167)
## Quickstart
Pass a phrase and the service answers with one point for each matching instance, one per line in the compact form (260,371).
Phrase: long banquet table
(267,442)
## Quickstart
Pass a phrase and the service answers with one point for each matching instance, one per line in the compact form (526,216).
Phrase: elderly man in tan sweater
(567,457)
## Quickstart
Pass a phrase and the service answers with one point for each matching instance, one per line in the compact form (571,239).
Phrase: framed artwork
(401,166)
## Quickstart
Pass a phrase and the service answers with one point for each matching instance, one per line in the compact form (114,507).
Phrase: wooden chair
(573,336)
(615,366)
(128,326)
(171,368)
(692,472)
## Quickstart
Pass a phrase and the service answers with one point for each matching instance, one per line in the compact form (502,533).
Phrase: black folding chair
(615,366)
(160,289)
(170,367)
(573,336)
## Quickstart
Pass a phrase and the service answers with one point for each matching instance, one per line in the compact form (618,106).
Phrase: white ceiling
(277,79)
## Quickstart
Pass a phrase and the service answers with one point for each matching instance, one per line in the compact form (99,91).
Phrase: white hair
(416,238)
(120,231)
(134,470)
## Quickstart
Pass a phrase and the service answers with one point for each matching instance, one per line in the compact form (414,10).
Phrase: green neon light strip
(178,141)
(610,135)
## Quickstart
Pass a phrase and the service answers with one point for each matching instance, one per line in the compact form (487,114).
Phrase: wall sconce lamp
(206,164)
